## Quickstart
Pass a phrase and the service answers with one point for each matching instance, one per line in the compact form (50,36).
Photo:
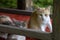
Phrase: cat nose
(42,18)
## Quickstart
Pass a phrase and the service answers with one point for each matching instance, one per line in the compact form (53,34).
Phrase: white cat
(40,19)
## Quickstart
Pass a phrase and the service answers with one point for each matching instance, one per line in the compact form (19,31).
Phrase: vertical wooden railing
(56,20)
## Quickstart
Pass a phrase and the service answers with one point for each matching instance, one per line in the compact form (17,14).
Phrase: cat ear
(48,8)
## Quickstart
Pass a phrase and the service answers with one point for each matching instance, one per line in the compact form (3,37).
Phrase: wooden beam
(56,20)
(21,4)
(25,32)
(16,11)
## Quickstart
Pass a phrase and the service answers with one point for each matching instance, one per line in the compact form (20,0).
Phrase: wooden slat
(25,32)
(16,11)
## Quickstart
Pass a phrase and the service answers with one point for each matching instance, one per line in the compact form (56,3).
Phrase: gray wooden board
(25,32)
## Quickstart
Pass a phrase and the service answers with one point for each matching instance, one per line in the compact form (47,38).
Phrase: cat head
(45,10)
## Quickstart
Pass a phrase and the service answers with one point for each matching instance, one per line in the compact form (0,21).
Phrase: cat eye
(40,14)
(45,14)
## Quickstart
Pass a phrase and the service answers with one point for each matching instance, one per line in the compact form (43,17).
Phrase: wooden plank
(25,32)
(56,20)
(16,11)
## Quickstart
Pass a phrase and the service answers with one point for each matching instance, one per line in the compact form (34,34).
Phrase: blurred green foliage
(13,3)
(8,3)
(43,3)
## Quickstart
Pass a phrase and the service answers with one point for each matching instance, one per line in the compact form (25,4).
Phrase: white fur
(45,19)
(46,22)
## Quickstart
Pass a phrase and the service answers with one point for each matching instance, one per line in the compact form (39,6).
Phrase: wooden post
(21,4)
(56,20)
(24,4)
